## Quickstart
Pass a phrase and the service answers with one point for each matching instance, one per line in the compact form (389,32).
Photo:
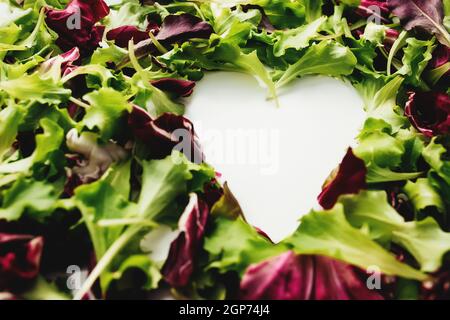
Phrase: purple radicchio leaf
(175,28)
(263,233)
(72,109)
(182,27)
(162,134)
(73,181)
(176,87)
(336,280)
(441,56)
(179,265)
(212,192)
(285,277)
(429,112)
(122,35)
(20,257)
(76,24)
(304,277)
(425,15)
(401,203)
(391,37)
(350,179)
(66,60)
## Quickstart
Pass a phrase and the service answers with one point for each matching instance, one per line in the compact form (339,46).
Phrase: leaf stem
(105,223)
(79,103)
(398,44)
(106,260)
(157,44)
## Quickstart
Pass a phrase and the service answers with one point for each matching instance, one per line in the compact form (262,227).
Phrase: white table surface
(275,160)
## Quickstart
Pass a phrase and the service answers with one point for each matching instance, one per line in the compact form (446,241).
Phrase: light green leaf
(313,9)
(44,290)
(112,53)
(135,262)
(417,54)
(10,118)
(97,70)
(107,106)
(433,155)
(328,233)
(162,182)
(46,143)
(244,246)
(298,38)
(99,201)
(423,239)
(328,58)
(10,14)
(375,33)
(422,195)
(380,148)
(36,198)
(34,88)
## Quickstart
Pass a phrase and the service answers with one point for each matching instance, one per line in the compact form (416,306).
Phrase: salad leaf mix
(93,179)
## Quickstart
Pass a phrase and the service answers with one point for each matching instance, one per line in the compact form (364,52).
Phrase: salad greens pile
(98,199)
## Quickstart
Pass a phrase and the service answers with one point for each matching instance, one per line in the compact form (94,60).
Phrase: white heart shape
(275,160)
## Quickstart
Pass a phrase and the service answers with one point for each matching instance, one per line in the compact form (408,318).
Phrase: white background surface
(300,142)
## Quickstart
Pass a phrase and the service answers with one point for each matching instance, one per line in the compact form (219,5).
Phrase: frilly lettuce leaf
(114,222)
(297,38)
(106,107)
(10,118)
(244,246)
(327,58)
(328,233)
(36,198)
(417,54)
(423,239)
(47,143)
(423,195)
(35,88)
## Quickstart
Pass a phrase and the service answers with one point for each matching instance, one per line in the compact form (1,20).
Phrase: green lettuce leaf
(434,156)
(327,58)
(384,153)
(313,9)
(107,106)
(328,233)
(244,245)
(47,143)
(423,239)
(417,54)
(36,198)
(297,38)
(423,195)
(34,88)
(162,182)
(10,118)
(116,224)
